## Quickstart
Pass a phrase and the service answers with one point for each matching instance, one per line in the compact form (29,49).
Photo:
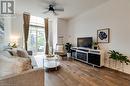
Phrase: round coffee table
(51,63)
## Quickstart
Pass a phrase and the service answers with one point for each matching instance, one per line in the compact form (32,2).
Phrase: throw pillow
(12,52)
(22,53)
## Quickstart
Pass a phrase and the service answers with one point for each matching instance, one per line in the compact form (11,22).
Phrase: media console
(90,56)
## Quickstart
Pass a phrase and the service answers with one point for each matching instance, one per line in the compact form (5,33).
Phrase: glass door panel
(36,39)
(32,39)
(40,40)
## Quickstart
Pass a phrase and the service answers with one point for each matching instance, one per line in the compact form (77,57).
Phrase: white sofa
(13,64)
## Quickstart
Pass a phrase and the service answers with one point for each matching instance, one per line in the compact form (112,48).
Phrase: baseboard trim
(116,70)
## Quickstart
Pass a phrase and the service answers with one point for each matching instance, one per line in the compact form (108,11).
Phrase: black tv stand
(89,56)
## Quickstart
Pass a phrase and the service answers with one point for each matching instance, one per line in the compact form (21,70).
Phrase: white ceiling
(72,8)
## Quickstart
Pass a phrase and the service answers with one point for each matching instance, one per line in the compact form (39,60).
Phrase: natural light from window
(36,38)
(37,21)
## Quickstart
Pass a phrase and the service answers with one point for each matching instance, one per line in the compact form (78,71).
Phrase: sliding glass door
(36,39)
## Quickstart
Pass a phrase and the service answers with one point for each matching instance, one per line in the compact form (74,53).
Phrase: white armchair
(59,50)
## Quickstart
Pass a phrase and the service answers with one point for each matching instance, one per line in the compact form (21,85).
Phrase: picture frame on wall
(103,35)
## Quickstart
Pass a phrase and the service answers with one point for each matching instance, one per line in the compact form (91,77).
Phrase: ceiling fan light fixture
(52,9)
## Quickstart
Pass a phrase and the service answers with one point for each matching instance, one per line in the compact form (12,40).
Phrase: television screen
(84,42)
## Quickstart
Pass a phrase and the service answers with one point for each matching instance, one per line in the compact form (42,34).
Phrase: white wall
(13,26)
(7,32)
(54,32)
(7,25)
(50,38)
(17,29)
(62,30)
(114,14)
(57,30)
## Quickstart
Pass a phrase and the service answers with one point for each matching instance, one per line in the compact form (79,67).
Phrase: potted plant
(68,49)
(118,57)
(12,45)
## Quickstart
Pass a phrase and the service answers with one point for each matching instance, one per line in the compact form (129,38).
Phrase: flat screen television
(84,42)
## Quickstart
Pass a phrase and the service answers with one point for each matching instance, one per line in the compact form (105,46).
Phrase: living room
(78,20)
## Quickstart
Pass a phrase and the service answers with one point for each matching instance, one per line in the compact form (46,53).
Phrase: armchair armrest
(30,53)
(33,77)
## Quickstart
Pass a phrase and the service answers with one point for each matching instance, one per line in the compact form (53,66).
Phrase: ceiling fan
(53,7)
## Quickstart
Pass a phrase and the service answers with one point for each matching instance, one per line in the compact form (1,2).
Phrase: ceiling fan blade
(56,9)
(47,8)
(45,12)
(52,7)
(55,13)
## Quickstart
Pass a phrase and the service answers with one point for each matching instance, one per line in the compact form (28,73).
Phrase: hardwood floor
(74,73)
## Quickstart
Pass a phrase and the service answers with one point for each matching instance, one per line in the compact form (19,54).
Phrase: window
(36,39)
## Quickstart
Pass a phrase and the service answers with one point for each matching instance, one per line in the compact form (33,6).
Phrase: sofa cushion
(7,66)
(23,63)
(6,53)
(13,65)
(12,52)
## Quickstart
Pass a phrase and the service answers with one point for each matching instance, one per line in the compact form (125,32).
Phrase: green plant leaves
(118,57)
(68,47)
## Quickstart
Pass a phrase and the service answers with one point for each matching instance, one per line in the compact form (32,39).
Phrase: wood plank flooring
(74,73)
